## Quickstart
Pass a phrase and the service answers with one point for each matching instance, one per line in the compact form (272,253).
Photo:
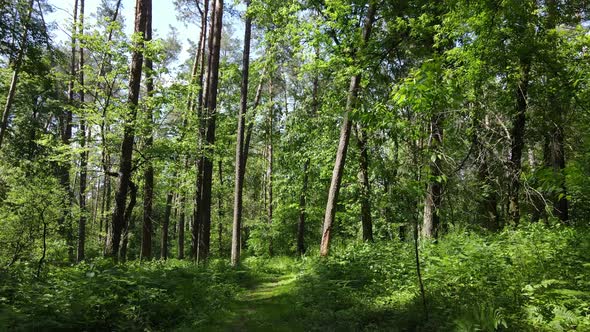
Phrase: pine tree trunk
(248,137)
(211,107)
(220,209)
(239,172)
(201,57)
(125,164)
(165,226)
(84,153)
(148,194)
(181,217)
(269,169)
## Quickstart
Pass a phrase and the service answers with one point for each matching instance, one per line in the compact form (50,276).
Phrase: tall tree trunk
(104,127)
(343,143)
(303,195)
(248,137)
(560,203)
(181,219)
(517,144)
(148,193)
(269,169)
(201,57)
(64,226)
(95,194)
(489,203)
(165,226)
(128,218)
(557,136)
(15,72)
(220,209)
(84,153)
(431,222)
(366,221)
(108,231)
(125,164)
(239,173)
(302,207)
(102,208)
(211,108)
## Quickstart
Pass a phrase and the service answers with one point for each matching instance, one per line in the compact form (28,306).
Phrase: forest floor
(265,305)
(532,278)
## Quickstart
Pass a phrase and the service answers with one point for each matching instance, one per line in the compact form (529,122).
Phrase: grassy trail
(266,305)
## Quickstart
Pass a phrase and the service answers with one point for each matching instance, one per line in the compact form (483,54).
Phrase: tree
(16,66)
(84,153)
(344,139)
(148,194)
(239,173)
(211,111)
(125,163)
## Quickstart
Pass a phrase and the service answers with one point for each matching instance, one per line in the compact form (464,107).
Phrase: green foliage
(27,203)
(529,279)
(101,296)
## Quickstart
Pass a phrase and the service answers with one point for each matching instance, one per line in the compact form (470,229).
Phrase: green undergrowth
(99,296)
(534,278)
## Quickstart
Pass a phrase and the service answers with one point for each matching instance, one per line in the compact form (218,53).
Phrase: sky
(164,16)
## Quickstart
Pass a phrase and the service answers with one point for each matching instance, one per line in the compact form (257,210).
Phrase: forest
(295,165)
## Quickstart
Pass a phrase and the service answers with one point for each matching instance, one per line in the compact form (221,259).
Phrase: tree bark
(181,217)
(44,250)
(557,135)
(211,107)
(269,169)
(128,218)
(203,90)
(365,198)
(64,227)
(239,173)
(431,222)
(343,143)
(303,195)
(220,209)
(108,231)
(302,211)
(517,144)
(560,203)
(148,194)
(104,127)
(125,167)
(248,137)
(489,203)
(165,226)
(84,153)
